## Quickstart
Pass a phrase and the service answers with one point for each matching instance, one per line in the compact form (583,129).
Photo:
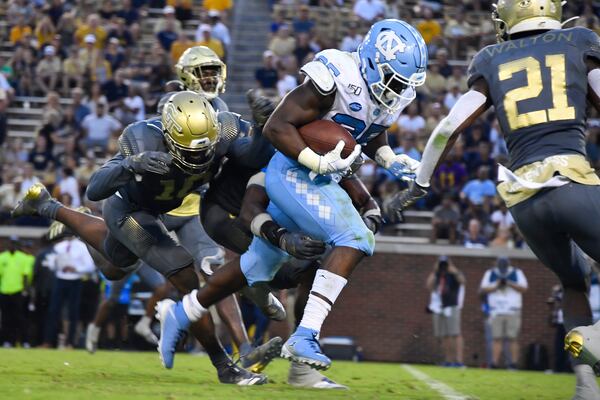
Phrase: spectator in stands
(80,110)
(429,28)
(20,8)
(69,185)
(479,191)
(52,111)
(20,31)
(352,39)
(107,10)
(96,97)
(91,27)
(502,218)
(303,49)
(369,10)
(114,54)
(40,156)
(29,179)
(220,31)
(286,83)
(16,270)
(481,158)
(206,39)
(452,96)
(411,123)
(502,239)
(73,71)
(44,31)
(59,48)
(392,9)
(115,90)
(183,9)
(446,285)
(67,27)
(121,34)
(183,43)
(72,262)
(435,84)
(168,34)
(99,127)
(303,24)
(459,32)
(168,21)
(434,116)
(133,106)
(219,5)
(504,286)
(283,44)
(445,220)
(449,177)
(266,76)
(64,137)
(48,71)
(441,57)
(9,196)
(84,172)
(7,90)
(408,146)
(474,239)
(129,13)
(458,78)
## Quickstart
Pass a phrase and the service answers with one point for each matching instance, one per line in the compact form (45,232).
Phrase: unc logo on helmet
(389,44)
(393,60)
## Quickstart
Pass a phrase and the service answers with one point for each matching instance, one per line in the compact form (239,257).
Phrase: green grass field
(52,374)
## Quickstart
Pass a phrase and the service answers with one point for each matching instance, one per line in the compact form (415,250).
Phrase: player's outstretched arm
(466,110)
(363,202)
(302,105)
(400,165)
(254,216)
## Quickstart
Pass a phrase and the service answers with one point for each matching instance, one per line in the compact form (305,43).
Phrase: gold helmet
(191,131)
(514,16)
(201,70)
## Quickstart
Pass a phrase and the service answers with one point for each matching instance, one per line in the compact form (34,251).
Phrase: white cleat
(302,375)
(143,329)
(91,338)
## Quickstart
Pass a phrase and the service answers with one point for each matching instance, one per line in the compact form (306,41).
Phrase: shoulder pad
(478,66)
(219,105)
(320,76)
(141,136)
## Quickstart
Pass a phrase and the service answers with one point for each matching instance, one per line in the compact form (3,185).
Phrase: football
(322,136)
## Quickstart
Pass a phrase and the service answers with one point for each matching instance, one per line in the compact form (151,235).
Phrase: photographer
(446,284)
(504,286)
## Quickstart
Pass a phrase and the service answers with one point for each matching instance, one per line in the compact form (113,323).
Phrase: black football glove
(405,198)
(261,106)
(155,162)
(301,246)
(373,222)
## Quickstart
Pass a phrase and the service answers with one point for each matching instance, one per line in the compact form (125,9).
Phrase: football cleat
(145,331)
(36,201)
(302,375)
(234,375)
(266,302)
(258,359)
(303,347)
(173,325)
(91,338)
(274,309)
(583,343)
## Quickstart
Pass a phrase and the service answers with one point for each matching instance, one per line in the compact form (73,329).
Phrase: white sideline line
(446,391)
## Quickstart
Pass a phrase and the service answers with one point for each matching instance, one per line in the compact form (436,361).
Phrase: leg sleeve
(319,207)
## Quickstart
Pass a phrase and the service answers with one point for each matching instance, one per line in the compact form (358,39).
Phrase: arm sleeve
(251,151)
(108,179)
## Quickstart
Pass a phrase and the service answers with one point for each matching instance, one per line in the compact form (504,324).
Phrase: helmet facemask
(393,91)
(192,161)
(208,80)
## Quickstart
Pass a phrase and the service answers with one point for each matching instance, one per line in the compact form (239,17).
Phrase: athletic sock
(145,320)
(245,348)
(192,307)
(326,285)
(219,359)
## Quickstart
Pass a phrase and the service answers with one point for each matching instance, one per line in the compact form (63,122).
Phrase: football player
(539,77)
(365,92)
(160,164)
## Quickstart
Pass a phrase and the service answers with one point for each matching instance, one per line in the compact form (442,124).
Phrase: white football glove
(331,162)
(403,167)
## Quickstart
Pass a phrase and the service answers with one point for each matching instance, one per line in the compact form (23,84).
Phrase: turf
(51,374)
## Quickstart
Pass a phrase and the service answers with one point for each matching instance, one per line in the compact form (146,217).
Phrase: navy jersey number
(356,127)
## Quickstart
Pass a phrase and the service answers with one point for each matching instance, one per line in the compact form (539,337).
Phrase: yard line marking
(446,391)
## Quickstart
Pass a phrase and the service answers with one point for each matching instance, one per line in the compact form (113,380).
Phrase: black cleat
(36,201)
(258,359)
(234,375)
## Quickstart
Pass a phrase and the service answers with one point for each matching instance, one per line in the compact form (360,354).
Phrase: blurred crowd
(85,70)
(466,208)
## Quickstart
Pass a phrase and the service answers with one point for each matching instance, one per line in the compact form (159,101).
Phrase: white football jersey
(353,107)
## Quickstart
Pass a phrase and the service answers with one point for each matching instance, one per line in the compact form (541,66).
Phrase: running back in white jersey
(353,107)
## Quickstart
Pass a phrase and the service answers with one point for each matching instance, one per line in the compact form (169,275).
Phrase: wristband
(258,222)
(272,232)
(310,159)
(385,156)
(375,212)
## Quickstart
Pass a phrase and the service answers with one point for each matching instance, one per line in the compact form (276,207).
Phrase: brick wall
(383,308)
